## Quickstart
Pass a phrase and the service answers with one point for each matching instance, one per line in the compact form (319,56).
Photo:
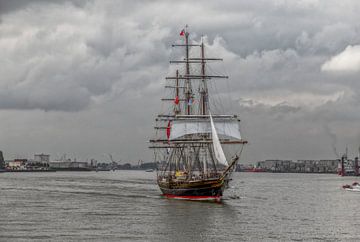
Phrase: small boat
(149,170)
(355,187)
(254,169)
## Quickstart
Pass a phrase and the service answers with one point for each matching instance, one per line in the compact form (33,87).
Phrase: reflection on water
(197,221)
(126,205)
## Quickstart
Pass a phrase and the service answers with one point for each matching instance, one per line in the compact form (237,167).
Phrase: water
(126,206)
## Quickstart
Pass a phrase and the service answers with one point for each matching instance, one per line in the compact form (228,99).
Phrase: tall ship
(192,130)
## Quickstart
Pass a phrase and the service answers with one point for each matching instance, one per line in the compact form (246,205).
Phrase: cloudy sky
(85,77)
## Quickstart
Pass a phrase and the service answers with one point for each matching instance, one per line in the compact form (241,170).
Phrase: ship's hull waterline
(206,190)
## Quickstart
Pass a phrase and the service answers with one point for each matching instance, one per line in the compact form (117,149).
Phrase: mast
(204,87)
(188,91)
(177,84)
(203,93)
(177,109)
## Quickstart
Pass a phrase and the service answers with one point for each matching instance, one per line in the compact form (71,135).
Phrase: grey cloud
(284,108)
(79,63)
(13,5)
(101,64)
(280,108)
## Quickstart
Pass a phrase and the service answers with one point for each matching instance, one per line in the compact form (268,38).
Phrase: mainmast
(188,91)
(204,90)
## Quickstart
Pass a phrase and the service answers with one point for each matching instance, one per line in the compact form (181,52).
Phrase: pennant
(182,33)
(176,101)
(168,130)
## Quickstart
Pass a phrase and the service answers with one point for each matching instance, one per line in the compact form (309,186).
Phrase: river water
(127,206)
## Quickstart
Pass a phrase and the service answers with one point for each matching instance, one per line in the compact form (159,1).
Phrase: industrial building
(299,166)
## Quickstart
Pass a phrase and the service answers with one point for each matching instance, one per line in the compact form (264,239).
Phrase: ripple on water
(127,205)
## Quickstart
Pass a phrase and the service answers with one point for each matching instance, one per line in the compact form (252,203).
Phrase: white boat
(355,187)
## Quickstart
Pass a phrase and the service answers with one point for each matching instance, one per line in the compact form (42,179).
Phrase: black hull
(215,192)
(199,190)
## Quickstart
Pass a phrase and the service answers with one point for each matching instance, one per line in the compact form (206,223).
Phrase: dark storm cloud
(7,6)
(74,57)
(96,45)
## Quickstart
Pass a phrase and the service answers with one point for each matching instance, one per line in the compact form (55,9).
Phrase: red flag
(182,33)
(176,101)
(168,129)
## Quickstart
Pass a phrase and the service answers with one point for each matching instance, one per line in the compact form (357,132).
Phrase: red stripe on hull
(196,198)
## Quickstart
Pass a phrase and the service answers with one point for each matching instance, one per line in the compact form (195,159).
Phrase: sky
(85,78)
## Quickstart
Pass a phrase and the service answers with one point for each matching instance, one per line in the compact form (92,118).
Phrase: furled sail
(219,153)
(228,128)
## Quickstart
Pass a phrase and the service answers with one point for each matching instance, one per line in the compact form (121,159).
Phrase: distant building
(68,165)
(93,163)
(2,162)
(17,164)
(147,165)
(126,166)
(42,158)
(301,166)
(274,165)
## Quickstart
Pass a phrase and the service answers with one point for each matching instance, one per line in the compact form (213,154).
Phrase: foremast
(191,152)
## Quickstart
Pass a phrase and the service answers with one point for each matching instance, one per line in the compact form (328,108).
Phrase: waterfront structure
(93,163)
(2,161)
(42,158)
(17,164)
(69,165)
(299,166)
(347,167)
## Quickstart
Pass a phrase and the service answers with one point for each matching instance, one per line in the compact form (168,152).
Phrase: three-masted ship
(189,136)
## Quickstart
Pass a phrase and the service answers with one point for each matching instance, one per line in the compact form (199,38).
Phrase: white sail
(219,153)
(228,128)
